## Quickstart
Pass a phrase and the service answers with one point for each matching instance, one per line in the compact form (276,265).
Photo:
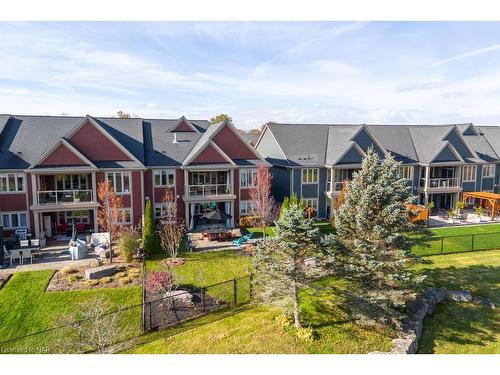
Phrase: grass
(26,308)
(463,328)
(252,329)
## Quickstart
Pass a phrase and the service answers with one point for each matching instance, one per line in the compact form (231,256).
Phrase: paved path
(48,265)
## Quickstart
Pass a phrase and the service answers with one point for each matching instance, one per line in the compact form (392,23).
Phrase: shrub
(127,244)
(283,320)
(68,271)
(105,280)
(120,274)
(124,280)
(305,334)
(150,240)
(73,278)
(159,282)
(134,272)
(247,221)
(90,283)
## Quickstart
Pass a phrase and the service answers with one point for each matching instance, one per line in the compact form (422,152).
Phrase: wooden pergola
(492,198)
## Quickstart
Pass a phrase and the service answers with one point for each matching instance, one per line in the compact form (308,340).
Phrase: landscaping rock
(99,272)
(459,295)
(484,302)
(180,296)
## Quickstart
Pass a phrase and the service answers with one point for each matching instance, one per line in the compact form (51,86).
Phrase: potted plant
(479,213)
(453,215)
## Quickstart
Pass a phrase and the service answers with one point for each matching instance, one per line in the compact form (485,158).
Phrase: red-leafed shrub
(159,282)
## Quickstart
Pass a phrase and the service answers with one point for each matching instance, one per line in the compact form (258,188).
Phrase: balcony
(212,190)
(63,197)
(441,183)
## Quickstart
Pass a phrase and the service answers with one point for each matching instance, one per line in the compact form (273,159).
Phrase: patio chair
(240,241)
(15,255)
(24,243)
(248,236)
(27,253)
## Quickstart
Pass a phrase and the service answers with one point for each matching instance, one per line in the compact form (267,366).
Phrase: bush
(73,278)
(305,334)
(105,280)
(67,271)
(159,282)
(90,283)
(283,320)
(120,274)
(134,272)
(150,240)
(247,221)
(127,244)
(124,280)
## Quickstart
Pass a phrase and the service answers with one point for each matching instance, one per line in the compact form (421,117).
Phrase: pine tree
(281,269)
(377,235)
(150,241)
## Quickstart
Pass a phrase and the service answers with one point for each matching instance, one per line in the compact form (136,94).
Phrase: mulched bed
(74,279)
(161,313)
(4,279)
(173,263)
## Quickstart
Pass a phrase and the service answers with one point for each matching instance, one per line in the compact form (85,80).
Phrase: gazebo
(492,198)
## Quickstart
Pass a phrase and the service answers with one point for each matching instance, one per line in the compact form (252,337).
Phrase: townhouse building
(439,162)
(50,168)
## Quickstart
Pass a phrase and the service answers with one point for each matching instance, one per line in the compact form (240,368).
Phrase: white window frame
(467,170)
(248,178)
(405,172)
(490,168)
(311,202)
(129,222)
(122,177)
(163,206)
(308,175)
(18,214)
(16,183)
(81,177)
(246,208)
(161,173)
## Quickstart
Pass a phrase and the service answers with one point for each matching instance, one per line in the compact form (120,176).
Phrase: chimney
(175,138)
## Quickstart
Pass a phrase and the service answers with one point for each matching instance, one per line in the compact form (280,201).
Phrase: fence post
(235,291)
(202,292)
(442,243)
(150,321)
(250,287)
(473,235)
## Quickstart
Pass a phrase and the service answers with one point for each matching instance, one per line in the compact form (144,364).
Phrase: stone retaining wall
(422,306)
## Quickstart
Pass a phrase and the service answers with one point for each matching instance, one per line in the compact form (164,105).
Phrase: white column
(34,189)
(94,188)
(186,182)
(96,226)
(36,216)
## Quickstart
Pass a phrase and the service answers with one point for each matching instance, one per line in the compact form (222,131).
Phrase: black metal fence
(132,321)
(459,244)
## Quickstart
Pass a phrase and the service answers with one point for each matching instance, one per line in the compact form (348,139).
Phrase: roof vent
(175,138)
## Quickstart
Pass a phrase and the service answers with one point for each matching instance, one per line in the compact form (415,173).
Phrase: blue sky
(336,72)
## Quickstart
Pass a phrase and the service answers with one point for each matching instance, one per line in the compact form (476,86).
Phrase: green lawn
(463,328)
(26,308)
(252,329)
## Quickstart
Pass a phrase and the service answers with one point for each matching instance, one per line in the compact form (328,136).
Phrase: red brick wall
(13,202)
(179,187)
(62,156)
(232,145)
(148,184)
(96,145)
(138,196)
(236,187)
(209,155)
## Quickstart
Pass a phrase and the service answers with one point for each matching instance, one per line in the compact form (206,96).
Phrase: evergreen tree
(281,262)
(291,201)
(150,241)
(374,227)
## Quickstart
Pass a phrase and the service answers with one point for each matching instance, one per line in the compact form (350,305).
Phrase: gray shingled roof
(303,144)
(407,143)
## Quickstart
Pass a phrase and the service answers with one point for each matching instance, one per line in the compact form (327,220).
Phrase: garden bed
(73,278)
(4,279)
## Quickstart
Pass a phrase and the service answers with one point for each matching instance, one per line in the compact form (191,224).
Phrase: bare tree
(172,229)
(263,204)
(110,215)
(95,329)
